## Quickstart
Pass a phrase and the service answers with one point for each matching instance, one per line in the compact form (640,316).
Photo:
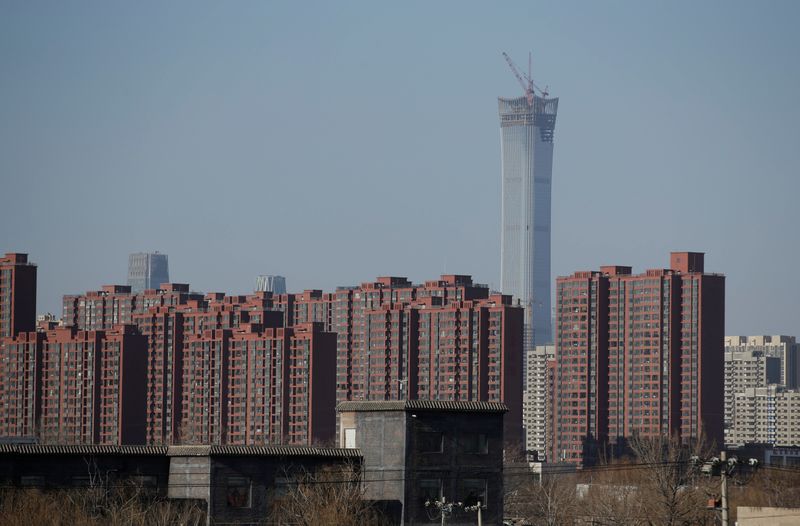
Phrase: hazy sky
(333,142)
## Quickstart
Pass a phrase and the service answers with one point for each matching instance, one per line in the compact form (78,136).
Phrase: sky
(334,142)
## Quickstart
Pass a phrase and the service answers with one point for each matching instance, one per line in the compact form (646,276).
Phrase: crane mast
(526,81)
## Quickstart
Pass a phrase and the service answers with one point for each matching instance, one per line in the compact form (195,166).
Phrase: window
(350,438)
(472,491)
(429,442)
(238,493)
(429,490)
(475,443)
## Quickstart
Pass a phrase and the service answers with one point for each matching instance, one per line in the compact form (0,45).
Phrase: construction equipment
(526,81)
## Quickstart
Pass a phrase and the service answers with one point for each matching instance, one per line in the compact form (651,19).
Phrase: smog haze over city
(332,142)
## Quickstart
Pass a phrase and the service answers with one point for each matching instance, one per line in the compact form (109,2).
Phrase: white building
(753,363)
(537,400)
(779,346)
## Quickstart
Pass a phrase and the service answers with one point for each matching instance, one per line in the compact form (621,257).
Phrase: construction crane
(526,81)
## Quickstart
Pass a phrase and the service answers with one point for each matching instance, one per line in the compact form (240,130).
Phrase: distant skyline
(335,142)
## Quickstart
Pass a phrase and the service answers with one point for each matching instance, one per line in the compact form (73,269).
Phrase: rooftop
(422,405)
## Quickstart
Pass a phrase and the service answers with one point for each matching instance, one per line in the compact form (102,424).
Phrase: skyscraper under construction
(527,124)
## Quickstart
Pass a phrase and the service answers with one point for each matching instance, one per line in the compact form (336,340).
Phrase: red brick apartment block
(17,295)
(638,354)
(93,386)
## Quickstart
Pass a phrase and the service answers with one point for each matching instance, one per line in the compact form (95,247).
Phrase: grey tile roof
(422,405)
(272,451)
(178,451)
(76,449)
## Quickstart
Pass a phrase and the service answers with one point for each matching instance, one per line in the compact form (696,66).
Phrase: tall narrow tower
(526,139)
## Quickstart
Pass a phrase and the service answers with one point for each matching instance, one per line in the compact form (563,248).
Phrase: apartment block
(637,354)
(537,401)
(787,418)
(784,348)
(17,295)
(766,415)
(166,365)
(93,386)
(117,304)
(746,370)
(753,418)
(20,384)
(252,385)
(447,339)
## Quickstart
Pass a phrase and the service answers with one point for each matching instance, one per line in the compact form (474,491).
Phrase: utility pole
(724,491)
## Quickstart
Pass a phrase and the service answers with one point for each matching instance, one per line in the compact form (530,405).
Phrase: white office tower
(537,400)
(273,284)
(527,124)
(147,271)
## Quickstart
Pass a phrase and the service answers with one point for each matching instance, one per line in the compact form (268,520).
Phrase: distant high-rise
(273,284)
(17,295)
(147,271)
(526,140)
(537,400)
(754,367)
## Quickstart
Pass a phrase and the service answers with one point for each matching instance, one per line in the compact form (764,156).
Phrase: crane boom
(526,81)
(527,87)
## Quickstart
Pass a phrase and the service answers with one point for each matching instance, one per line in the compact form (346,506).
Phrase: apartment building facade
(637,354)
(17,295)
(537,401)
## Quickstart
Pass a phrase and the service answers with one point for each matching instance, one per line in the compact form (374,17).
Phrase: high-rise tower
(270,283)
(526,139)
(147,271)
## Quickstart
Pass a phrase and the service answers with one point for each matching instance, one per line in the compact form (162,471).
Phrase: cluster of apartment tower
(633,354)
(168,365)
(762,400)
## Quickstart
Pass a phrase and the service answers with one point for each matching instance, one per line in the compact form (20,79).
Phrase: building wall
(233,485)
(413,455)
(638,354)
(787,418)
(93,386)
(17,295)
(745,369)
(20,384)
(445,340)
(537,401)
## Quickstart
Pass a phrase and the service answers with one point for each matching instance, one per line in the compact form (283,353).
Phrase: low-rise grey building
(234,484)
(422,451)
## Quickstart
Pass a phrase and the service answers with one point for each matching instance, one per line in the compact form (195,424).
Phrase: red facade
(170,365)
(17,295)
(638,354)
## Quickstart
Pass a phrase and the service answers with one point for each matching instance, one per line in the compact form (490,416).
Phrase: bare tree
(672,490)
(614,497)
(550,502)
(124,505)
(331,496)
